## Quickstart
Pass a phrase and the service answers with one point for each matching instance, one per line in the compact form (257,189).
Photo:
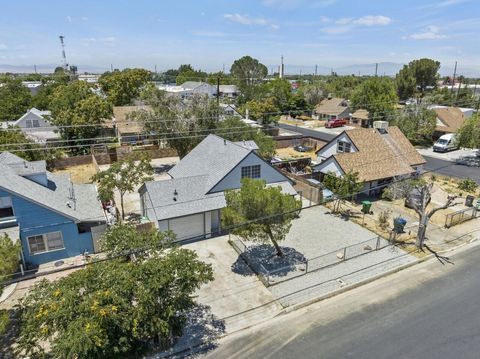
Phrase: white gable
(32,119)
(329,165)
(232,179)
(330,148)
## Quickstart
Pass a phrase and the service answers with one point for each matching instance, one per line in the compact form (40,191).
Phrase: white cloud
(245,19)
(372,20)
(69,18)
(325,20)
(347,24)
(109,40)
(430,33)
(84,18)
(3,46)
(322,3)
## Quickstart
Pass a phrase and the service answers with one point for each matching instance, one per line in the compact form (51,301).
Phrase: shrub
(4,321)
(468,185)
(383,218)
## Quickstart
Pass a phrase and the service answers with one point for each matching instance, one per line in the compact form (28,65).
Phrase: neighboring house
(331,109)
(33,86)
(189,203)
(228,91)
(191,88)
(90,78)
(229,110)
(360,118)
(129,130)
(53,218)
(378,155)
(36,126)
(450,119)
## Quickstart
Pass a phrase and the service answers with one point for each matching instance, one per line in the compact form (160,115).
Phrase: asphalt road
(448,168)
(436,165)
(429,311)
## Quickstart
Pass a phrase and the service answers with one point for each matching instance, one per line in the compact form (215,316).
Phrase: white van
(445,143)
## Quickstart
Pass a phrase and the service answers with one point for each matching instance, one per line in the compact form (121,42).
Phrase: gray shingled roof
(249,145)
(214,157)
(180,197)
(57,196)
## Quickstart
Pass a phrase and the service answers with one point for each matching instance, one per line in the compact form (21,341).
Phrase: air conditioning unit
(380,125)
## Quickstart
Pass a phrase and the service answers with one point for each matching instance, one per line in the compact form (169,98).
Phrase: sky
(211,34)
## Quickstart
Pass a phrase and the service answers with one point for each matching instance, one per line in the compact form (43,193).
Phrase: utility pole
(64,57)
(281,68)
(376,69)
(111,67)
(35,68)
(218,98)
(155,68)
(315,71)
(454,74)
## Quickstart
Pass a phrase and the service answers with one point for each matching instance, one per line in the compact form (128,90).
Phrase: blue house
(52,217)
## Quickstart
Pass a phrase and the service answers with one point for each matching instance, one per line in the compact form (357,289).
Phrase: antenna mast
(64,57)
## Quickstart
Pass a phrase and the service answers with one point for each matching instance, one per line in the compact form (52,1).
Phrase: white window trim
(45,242)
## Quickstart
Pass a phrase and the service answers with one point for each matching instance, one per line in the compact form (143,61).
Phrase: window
(36,123)
(6,208)
(251,171)
(29,123)
(343,146)
(45,242)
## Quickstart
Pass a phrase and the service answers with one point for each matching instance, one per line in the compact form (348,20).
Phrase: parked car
(301,148)
(339,122)
(445,143)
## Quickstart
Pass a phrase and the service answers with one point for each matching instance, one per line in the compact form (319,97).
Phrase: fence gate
(458,217)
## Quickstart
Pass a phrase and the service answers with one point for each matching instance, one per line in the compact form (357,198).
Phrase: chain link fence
(271,273)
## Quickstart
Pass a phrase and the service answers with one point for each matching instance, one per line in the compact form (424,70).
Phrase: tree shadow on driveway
(262,259)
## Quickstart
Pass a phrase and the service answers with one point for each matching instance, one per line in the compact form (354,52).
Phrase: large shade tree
(248,72)
(122,87)
(378,96)
(115,308)
(15,99)
(79,112)
(260,213)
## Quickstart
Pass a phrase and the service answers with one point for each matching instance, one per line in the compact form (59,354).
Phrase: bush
(468,185)
(4,321)
(383,218)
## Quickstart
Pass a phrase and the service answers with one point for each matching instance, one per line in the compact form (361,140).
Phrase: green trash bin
(366,205)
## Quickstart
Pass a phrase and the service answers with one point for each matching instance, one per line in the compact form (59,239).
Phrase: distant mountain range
(384,68)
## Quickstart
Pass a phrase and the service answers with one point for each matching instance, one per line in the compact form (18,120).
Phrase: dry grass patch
(79,174)
(289,153)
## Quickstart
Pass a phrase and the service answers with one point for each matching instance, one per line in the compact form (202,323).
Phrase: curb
(4,296)
(197,348)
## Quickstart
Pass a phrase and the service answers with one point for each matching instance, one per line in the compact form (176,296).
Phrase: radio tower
(64,57)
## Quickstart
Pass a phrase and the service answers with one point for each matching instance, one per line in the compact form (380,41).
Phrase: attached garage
(185,227)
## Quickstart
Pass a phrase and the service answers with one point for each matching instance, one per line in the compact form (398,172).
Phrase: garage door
(187,227)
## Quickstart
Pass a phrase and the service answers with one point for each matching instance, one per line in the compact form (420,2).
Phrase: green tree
(122,87)
(406,83)
(75,105)
(234,129)
(313,93)
(417,122)
(9,258)
(343,86)
(123,177)
(468,135)
(190,75)
(264,110)
(15,99)
(425,72)
(260,213)
(115,308)
(378,96)
(183,124)
(248,72)
(13,139)
(344,187)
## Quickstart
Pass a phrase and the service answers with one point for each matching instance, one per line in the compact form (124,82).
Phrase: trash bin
(478,204)
(469,200)
(366,205)
(399,224)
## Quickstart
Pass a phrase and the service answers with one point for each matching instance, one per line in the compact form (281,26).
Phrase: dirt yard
(289,153)
(79,174)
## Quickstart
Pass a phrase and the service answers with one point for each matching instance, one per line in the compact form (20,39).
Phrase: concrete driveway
(239,299)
